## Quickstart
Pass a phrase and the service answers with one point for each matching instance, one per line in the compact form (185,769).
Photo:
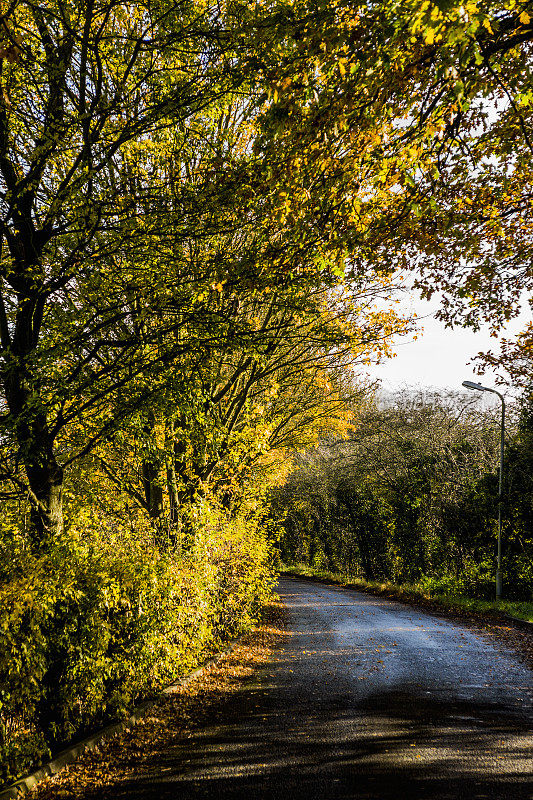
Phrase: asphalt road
(367,699)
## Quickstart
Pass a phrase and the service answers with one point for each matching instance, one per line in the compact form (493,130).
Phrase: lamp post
(480,388)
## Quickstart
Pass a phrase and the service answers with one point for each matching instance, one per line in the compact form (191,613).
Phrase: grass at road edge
(455,603)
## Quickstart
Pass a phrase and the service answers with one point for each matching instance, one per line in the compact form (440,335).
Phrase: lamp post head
(472,385)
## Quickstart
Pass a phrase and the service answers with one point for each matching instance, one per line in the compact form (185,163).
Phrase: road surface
(367,699)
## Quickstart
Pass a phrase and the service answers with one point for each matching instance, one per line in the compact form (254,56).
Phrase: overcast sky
(439,357)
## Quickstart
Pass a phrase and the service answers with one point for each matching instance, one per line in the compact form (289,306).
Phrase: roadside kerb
(520,623)
(24,785)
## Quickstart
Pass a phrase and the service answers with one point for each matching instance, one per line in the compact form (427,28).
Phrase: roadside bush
(475,580)
(412,498)
(105,618)
(243,573)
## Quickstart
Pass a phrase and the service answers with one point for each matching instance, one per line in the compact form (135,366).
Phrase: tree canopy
(184,187)
(206,210)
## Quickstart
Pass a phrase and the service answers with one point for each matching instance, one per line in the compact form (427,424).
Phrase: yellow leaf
(524,18)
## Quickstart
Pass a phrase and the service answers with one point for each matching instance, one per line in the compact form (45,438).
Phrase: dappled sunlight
(373,715)
(382,752)
(370,715)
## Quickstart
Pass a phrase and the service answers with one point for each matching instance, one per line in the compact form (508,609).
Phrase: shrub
(104,618)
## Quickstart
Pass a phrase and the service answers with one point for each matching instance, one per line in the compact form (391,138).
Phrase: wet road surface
(367,699)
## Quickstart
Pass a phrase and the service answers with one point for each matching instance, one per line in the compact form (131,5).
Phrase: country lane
(369,699)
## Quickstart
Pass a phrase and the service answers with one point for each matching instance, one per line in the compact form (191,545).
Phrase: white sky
(440,357)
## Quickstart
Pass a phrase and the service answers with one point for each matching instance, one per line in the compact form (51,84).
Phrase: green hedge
(101,621)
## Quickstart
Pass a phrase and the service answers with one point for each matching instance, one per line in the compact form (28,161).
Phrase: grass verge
(407,592)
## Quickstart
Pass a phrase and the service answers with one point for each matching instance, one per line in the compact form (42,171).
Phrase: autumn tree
(423,109)
(276,381)
(107,206)
(351,118)
(80,85)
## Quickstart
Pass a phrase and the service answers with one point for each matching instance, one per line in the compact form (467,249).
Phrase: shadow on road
(395,744)
(365,699)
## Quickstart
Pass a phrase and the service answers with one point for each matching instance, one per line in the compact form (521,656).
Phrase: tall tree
(83,87)
(411,491)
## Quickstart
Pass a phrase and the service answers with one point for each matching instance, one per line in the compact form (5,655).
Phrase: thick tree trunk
(46,499)
(153,490)
(35,444)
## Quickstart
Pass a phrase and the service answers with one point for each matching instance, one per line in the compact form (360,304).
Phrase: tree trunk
(151,475)
(172,488)
(35,444)
(153,491)
(171,448)
(46,501)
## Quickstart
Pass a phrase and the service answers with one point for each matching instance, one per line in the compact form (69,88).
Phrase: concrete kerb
(25,785)
(521,623)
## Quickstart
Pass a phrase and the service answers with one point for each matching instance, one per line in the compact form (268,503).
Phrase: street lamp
(480,388)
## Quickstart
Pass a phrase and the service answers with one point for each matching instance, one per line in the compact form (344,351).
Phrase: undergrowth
(105,618)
